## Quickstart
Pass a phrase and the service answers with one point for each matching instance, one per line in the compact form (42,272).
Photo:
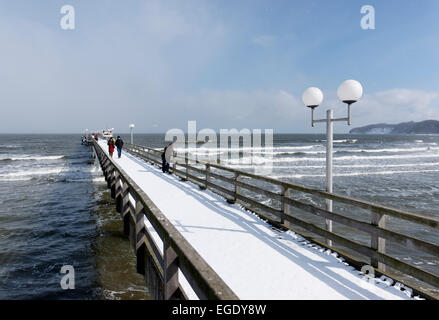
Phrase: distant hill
(423,127)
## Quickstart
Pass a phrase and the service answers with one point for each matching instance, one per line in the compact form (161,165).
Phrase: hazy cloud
(397,105)
(265,40)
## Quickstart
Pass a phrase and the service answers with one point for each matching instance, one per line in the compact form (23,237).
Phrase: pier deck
(255,260)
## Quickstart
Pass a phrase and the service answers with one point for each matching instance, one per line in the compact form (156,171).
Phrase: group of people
(113,144)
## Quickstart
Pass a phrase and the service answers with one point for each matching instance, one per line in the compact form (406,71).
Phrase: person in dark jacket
(119,145)
(165,164)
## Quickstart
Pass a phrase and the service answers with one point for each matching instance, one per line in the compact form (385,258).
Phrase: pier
(212,232)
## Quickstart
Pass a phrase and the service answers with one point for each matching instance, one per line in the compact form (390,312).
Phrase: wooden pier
(160,267)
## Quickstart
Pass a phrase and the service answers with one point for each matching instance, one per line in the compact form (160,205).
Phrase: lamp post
(349,92)
(131,128)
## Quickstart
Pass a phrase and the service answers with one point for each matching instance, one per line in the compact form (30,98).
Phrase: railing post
(285,205)
(186,159)
(207,175)
(170,270)
(377,243)
(174,165)
(237,188)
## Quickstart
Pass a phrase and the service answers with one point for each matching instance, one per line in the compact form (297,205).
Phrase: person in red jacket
(111,147)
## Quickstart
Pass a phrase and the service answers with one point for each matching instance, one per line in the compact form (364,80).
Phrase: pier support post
(114,183)
(125,204)
(105,168)
(171,271)
(128,214)
(377,243)
(120,188)
(110,176)
(140,243)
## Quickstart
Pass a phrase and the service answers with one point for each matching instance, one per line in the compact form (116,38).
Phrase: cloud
(397,105)
(265,40)
(264,109)
(284,112)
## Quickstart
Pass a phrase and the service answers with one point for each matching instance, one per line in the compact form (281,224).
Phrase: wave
(410,156)
(16,179)
(403,165)
(303,151)
(261,160)
(351,174)
(390,150)
(240,149)
(32,158)
(339,141)
(30,173)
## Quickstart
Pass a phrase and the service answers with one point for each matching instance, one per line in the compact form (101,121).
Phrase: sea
(56,210)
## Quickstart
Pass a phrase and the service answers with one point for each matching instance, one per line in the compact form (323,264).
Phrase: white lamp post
(349,92)
(131,128)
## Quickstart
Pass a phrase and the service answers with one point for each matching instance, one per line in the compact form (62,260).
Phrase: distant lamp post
(131,128)
(349,91)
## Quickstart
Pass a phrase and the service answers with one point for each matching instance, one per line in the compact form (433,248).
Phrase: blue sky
(227,64)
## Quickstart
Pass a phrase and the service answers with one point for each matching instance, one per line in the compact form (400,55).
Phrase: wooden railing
(160,267)
(202,173)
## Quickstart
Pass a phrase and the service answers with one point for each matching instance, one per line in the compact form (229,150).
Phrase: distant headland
(422,127)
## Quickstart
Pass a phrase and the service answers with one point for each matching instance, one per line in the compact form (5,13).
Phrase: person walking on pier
(119,145)
(165,165)
(166,157)
(111,147)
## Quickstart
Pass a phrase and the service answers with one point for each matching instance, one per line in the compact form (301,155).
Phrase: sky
(226,64)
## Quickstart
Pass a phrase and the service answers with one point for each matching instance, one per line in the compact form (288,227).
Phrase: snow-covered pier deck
(190,243)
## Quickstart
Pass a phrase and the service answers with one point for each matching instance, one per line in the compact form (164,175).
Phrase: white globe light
(312,97)
(131,126)
(350,91)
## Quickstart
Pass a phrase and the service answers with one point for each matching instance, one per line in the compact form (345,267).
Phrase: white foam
(16,179)
(402,165)
(261,160)
(389,150)
(351,174)
(38,158)
(30,173)
(199,149)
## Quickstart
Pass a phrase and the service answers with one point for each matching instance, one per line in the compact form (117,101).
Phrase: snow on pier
(254,259)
